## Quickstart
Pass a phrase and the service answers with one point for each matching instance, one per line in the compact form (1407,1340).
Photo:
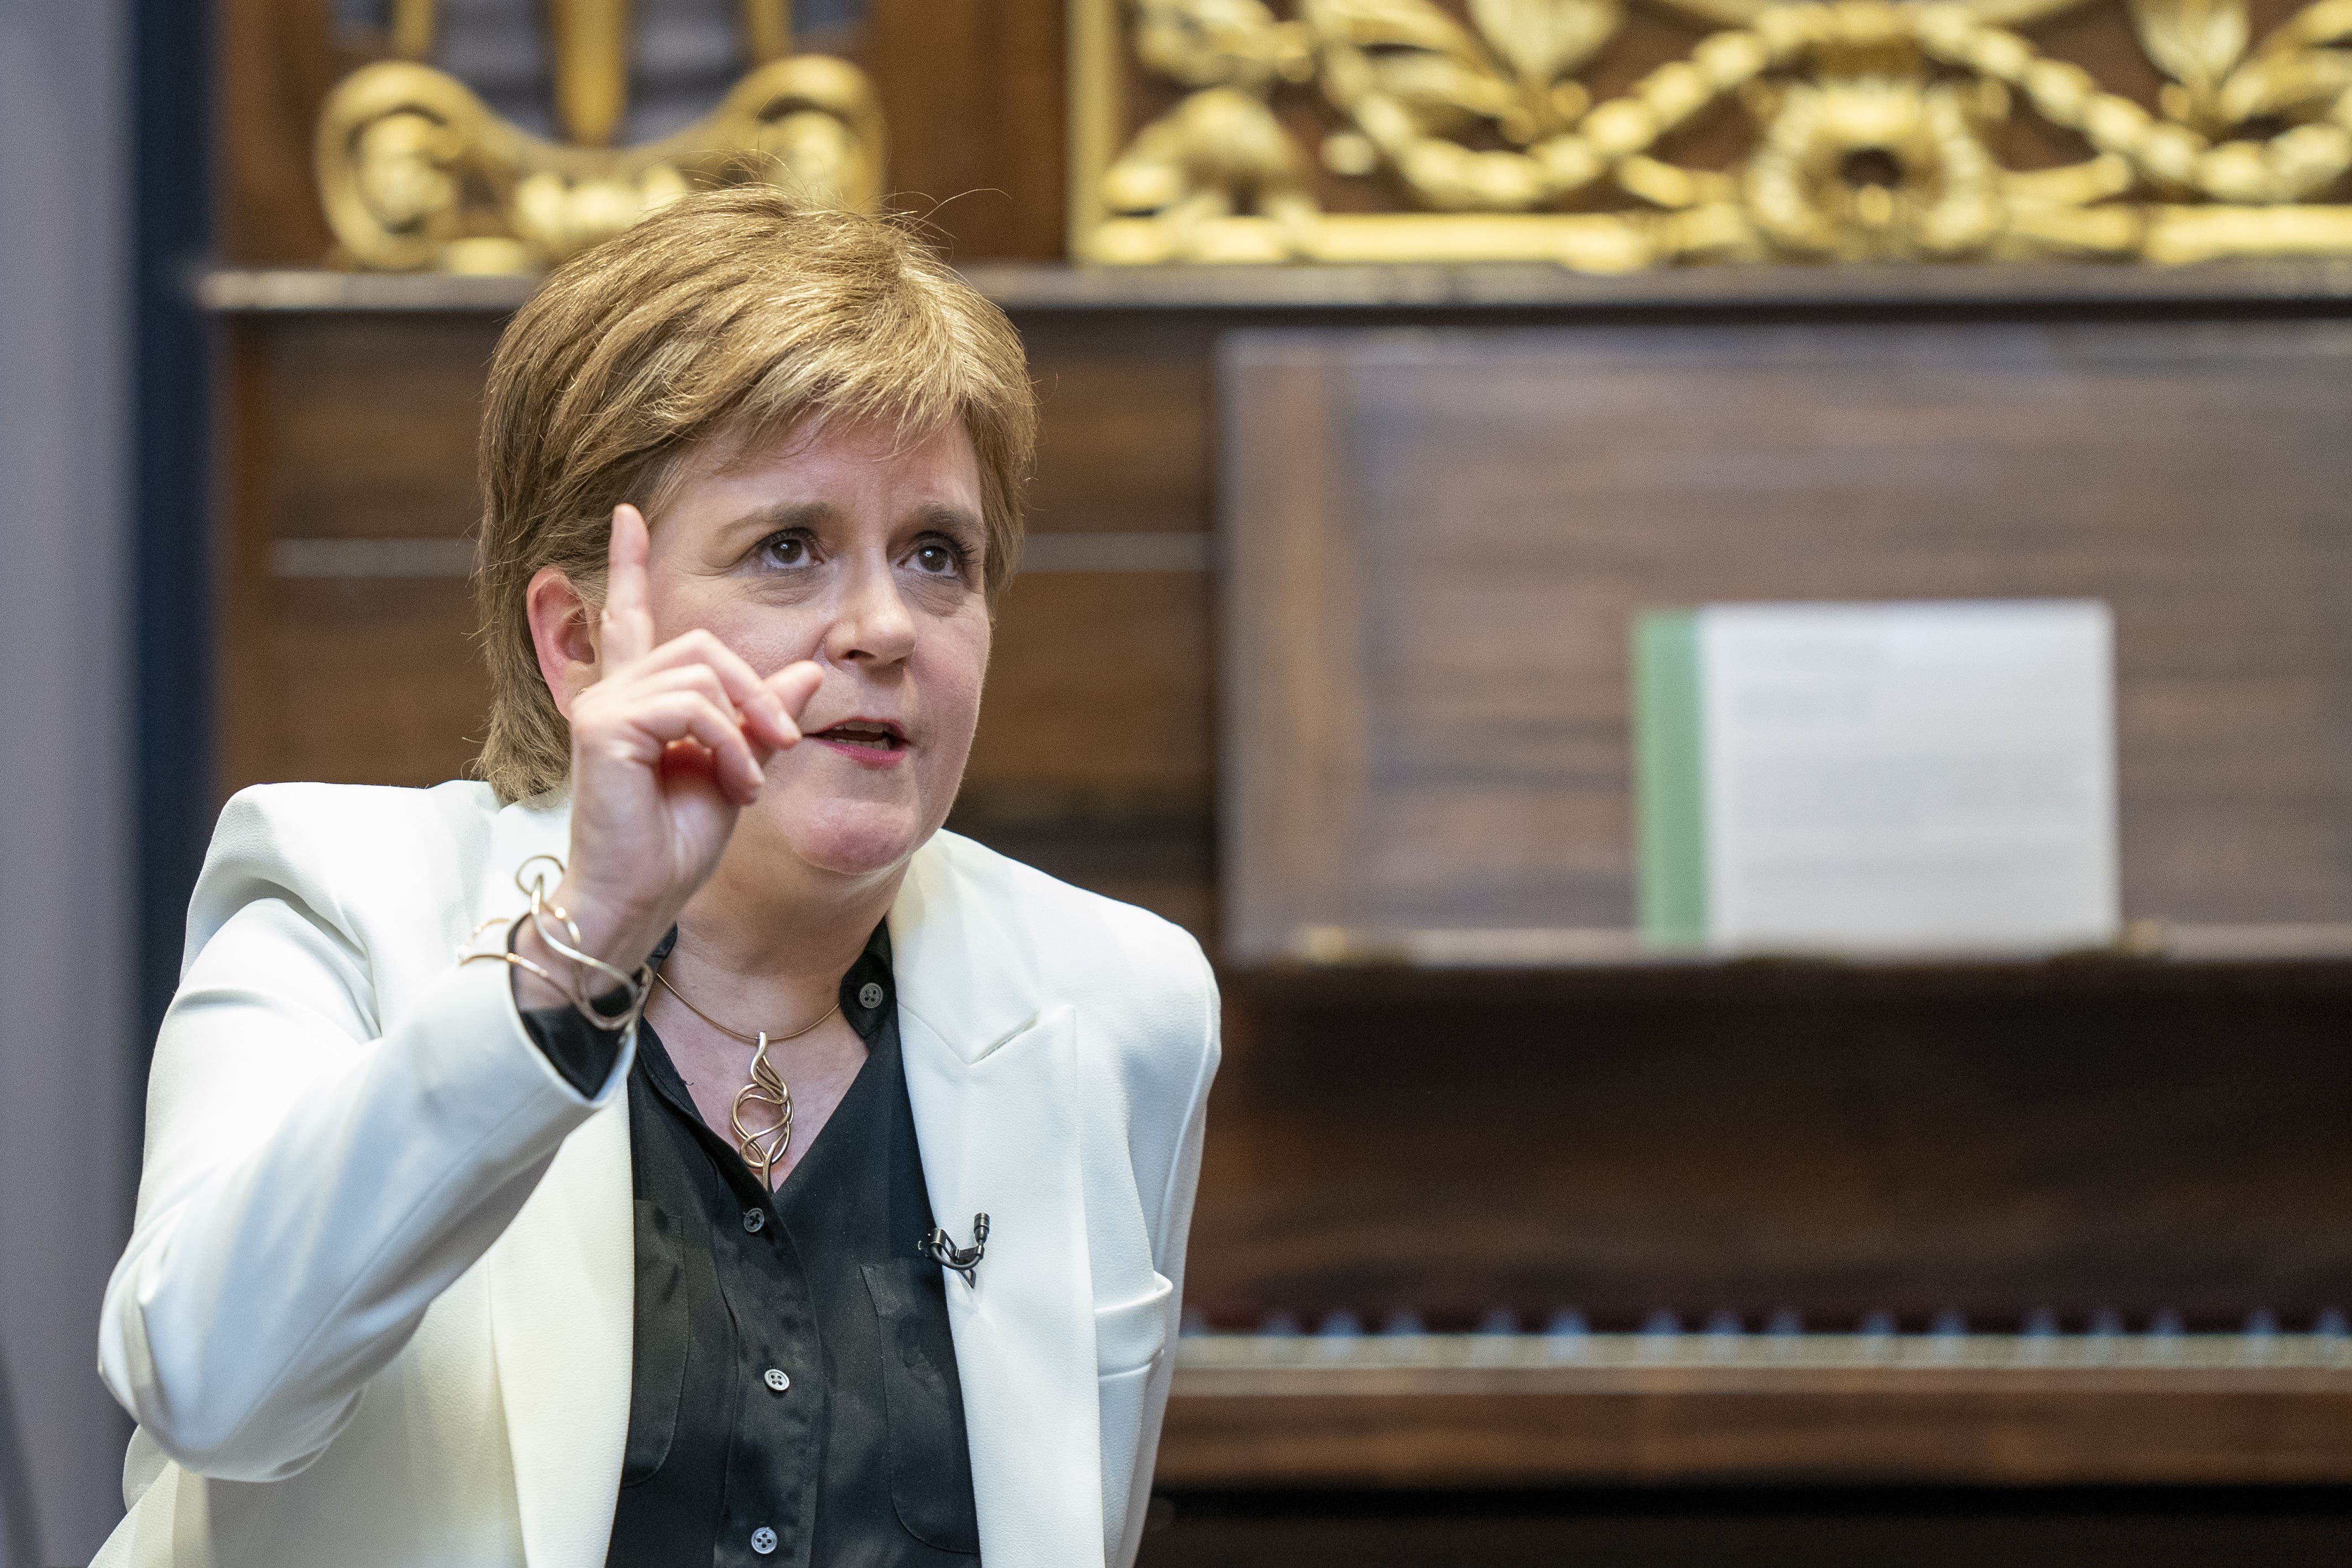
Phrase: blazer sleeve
(1172,1229)
(313,1178)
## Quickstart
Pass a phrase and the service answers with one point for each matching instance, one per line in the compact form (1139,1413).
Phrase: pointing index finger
(628,624)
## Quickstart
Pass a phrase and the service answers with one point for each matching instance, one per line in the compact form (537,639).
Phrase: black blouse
(794,1397)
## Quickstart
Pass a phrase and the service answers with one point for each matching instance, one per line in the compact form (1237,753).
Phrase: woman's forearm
(289,1245)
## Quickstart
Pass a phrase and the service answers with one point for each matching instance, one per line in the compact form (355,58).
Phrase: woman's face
(843,545)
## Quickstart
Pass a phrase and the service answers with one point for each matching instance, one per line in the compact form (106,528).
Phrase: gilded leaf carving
(1543,40)
(414,172)
(2194,42)
(1871,134)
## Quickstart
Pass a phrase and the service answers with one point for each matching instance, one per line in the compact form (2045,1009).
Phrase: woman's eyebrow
(780,515)
(947,518)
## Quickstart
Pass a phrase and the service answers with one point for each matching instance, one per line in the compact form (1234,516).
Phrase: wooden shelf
(1455,1411)
(1032,287)
(1357,969)
(2151,942)
(301,291)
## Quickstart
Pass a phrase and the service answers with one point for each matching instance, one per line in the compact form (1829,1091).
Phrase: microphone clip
(940,1248)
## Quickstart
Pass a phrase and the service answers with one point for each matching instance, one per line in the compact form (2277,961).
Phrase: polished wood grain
(1752,1527)
(1127,429)
(275,61)
(1440,542)
(1974,1429)
(1756,1139)
(972,95)
(351,427)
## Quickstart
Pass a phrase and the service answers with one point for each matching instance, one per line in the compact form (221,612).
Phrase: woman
(779,1178)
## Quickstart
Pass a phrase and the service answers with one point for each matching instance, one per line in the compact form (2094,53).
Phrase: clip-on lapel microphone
(940,1248)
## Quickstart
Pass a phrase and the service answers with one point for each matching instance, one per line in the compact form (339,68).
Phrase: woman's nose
(873,623)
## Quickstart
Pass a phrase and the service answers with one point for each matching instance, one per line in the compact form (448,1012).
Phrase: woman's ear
(563,629)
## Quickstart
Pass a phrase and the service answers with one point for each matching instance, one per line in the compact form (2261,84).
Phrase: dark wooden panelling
(971,90)
(373,681)
(351,427)
(372,426)
(1098,692)
(276,61)
(1127,427)
(1094,759)
(1652,1528)
(1957,1428)
(2111,1136)
(1440,538)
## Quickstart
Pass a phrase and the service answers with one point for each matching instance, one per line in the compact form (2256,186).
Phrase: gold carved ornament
(416,172)
(1867,130)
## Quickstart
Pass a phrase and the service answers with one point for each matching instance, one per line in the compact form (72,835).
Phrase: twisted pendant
(761,1148)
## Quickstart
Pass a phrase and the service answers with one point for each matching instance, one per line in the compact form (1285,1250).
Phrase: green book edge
(1670,824)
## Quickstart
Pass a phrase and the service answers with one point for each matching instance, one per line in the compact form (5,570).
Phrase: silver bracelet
(544,917)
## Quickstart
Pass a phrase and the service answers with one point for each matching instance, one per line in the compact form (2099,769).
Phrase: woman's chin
(856,839)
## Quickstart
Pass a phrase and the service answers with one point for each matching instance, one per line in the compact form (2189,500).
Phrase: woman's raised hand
(667,746)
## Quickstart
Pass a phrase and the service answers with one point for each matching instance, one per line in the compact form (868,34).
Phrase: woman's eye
(786,550)
(940,557)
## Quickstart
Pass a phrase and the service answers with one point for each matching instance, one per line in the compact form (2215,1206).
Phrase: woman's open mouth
(877,742)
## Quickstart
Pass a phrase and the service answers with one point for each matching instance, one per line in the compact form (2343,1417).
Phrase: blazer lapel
(563,1291)
(994,1086)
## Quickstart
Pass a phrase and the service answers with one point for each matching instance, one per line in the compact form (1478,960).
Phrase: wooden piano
(1497,1198)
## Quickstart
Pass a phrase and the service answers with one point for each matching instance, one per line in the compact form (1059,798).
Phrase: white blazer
(378,1302)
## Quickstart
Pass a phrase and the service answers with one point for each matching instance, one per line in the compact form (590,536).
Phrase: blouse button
(763,1541)
(775,1378)
(753,1219)
(869,995)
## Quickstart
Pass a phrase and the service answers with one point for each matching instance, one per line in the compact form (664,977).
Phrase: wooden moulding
(2085,1429)
(1981,1410)
(1029,287)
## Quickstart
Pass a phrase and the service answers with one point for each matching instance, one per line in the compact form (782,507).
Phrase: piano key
(1566,1336)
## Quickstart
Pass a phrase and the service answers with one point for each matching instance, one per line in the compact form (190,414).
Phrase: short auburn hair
(733,313)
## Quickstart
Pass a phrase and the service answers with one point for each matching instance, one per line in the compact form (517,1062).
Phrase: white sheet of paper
(1909,777)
